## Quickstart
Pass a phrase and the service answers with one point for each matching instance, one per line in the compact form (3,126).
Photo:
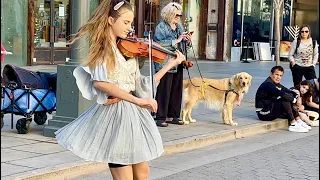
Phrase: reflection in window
(42,23)
(14,21)
(257,20)
(286,19)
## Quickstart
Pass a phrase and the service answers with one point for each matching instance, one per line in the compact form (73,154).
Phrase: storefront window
(42,23)
(61,22)
(14,23)
(257,20)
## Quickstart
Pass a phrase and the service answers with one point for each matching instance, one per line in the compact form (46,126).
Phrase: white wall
(211,44)
(194,13)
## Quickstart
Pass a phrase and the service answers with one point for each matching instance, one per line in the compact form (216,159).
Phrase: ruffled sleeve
(143,85)
(85,78)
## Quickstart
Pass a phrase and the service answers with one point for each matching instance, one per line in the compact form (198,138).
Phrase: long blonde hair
(97,29)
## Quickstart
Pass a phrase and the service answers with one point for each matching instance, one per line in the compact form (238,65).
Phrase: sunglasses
(175,6)
(304,31)
(179,15)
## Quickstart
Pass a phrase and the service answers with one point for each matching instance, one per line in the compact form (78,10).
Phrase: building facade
(36,31)
(218,23)
(255,20)
(258,19)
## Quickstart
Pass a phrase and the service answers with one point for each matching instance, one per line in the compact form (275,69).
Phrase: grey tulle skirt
(121,133)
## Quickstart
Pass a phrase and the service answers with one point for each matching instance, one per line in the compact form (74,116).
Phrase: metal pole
(272,28)
(52,31)
(242,19)
(247,51)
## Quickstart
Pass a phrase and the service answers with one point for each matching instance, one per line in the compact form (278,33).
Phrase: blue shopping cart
(27,93)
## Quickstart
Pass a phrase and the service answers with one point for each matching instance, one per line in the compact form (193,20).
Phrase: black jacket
(269,91)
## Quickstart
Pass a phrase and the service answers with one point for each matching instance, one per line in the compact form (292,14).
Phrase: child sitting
(310,117)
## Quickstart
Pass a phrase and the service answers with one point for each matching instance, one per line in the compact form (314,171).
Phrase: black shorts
(111,165)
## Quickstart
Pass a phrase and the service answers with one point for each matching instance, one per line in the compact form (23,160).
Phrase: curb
(170,148)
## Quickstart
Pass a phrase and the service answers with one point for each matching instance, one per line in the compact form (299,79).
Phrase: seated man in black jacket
(273,100)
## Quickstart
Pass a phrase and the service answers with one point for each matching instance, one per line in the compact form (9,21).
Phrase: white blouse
(125,76)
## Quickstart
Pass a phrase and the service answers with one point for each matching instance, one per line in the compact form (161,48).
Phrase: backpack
(298,44)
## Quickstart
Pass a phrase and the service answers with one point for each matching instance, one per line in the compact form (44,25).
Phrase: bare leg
(141,171)
(122,173)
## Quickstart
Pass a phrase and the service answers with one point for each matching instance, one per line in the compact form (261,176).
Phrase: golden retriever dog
(219,94)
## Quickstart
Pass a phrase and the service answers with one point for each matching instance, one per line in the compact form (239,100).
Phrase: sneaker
(296,127)
(303,124)
(314,123)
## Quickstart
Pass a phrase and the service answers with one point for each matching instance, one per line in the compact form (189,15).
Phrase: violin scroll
(187,64)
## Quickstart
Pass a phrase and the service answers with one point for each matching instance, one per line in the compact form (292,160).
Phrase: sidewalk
(33,154)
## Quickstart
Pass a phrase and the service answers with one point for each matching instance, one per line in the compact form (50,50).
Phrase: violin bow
(151,64)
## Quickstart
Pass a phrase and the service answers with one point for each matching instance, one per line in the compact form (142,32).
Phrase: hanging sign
(41,7)
(61,10)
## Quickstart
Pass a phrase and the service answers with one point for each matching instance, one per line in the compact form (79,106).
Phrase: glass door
(52,27)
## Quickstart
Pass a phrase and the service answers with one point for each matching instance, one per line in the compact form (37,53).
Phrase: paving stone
(10,169)
(8,155)
(259,166)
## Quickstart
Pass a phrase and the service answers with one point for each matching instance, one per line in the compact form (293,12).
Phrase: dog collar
(230,85)
(230,88)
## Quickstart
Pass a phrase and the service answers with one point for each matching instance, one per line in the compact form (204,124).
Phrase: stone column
(228,30)
(70,103)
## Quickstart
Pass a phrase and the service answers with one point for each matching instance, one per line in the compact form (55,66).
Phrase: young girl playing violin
(118,129)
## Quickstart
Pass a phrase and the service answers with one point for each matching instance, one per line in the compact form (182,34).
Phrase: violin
(131,47)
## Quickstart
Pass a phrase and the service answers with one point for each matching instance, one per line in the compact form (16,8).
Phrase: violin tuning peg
(131,33)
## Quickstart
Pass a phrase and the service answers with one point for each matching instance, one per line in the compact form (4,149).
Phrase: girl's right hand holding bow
(148,103)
